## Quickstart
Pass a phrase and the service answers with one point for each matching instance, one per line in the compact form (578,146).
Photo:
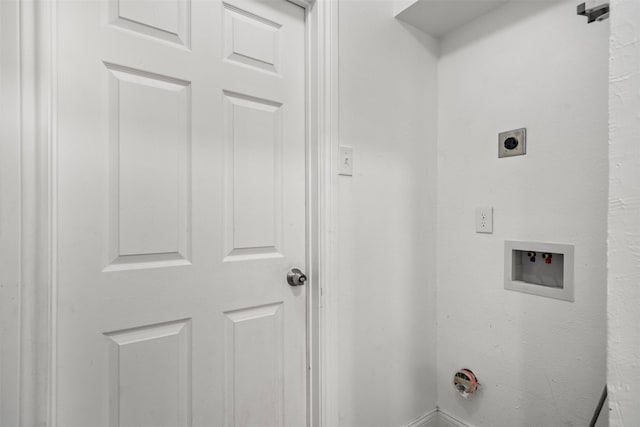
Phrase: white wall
(624,215)
(386,218)
(541,361)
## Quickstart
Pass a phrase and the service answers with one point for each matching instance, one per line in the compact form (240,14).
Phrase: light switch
(345,161)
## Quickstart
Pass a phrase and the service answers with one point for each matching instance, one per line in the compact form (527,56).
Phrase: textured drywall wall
(386,230)
(541,361)
(624,215)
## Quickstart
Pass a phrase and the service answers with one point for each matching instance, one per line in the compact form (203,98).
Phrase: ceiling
(438,17)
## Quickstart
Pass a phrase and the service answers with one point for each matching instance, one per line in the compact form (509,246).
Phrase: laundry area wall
(541,361)
(421,294)
(387,218)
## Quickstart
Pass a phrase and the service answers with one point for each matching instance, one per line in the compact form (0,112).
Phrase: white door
(181,208)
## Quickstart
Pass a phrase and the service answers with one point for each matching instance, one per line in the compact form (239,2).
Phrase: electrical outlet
(484,220)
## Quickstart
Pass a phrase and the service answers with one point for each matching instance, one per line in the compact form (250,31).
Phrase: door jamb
(322,144)
(31,397)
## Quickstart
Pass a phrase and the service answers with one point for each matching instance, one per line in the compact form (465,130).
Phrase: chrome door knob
(296,277)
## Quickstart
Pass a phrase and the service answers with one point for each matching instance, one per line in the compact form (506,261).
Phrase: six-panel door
(181,207)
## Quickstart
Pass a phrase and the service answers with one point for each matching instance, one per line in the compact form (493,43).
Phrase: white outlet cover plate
(484,220)
(345,162)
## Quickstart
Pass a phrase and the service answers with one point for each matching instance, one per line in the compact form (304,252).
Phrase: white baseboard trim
(448,420)
(437,418)
(430,419)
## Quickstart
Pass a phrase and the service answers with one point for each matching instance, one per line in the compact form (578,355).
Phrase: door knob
(296,277)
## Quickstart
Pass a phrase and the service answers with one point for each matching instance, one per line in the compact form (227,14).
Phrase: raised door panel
(167,20)
(250,39)
(149,168)
(150,375)
(253,187)
(254,390)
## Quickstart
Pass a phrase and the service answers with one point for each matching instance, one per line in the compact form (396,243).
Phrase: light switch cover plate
(345,161)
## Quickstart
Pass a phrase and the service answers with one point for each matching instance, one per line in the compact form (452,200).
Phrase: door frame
(28,210)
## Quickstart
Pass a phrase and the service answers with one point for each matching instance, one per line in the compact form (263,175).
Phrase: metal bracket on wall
(597,13)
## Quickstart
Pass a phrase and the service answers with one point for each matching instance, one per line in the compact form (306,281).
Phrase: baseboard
(447,420)
(430,419)
(437,418)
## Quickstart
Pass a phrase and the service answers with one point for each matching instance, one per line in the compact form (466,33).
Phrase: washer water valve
(465,382)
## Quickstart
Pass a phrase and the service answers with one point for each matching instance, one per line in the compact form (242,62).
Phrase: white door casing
(180,208)
(10,107)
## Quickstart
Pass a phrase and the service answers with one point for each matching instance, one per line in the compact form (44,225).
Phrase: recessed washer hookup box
(537,268)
